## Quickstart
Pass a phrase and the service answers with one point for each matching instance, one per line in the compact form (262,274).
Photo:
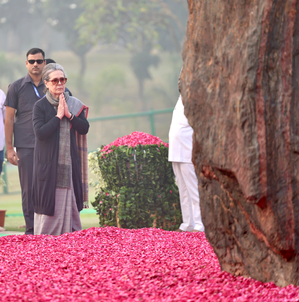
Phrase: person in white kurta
(180,152)
(2,134)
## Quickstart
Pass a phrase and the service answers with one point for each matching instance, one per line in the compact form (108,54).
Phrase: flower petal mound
(112,264)
(134,139)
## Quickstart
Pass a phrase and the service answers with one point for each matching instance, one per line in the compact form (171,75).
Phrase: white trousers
(189,197)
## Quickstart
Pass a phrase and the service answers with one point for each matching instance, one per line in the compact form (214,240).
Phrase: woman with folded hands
(59,186)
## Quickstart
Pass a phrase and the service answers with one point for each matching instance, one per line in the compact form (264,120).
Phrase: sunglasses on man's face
(37,61)
(55,81)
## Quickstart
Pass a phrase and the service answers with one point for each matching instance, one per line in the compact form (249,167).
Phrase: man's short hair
(34,51)
(48,61)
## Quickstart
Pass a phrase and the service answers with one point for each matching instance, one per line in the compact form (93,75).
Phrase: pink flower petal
(112,264)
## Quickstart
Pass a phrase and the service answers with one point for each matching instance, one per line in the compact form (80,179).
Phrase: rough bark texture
(241,96)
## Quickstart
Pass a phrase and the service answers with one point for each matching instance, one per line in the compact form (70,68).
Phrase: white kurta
(2,117)
(180,136)
(180,153)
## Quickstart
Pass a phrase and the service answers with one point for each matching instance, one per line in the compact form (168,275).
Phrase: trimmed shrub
(137,184)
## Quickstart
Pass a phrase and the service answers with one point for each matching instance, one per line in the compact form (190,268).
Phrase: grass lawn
(14,220)
(13,205)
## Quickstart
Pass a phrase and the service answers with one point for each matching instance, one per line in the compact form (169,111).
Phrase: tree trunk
(141,94)
(13,41)
(241,96)
(82,57)
(46,37)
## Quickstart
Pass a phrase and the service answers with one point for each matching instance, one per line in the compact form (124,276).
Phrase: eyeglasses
(37,61)
(55,81)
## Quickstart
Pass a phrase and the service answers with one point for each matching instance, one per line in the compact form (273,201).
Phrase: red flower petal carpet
(111,264)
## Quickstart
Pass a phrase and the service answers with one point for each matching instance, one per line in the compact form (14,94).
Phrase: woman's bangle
(72,116)
(8,148)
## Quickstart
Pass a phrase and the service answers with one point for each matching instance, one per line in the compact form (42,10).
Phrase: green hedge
(138,188)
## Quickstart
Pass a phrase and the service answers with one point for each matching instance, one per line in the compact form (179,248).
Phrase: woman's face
(58,89)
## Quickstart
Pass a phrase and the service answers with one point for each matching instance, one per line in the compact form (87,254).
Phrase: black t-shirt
(22,96)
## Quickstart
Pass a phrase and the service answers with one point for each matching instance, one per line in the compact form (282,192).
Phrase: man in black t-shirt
(21,97)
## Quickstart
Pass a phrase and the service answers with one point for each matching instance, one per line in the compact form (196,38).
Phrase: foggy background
(120,57)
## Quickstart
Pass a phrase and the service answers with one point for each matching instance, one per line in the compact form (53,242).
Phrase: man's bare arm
(9,122)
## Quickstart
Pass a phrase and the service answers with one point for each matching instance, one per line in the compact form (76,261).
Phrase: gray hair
(48,69)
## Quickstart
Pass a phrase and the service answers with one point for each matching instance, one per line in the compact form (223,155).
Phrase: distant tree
(140,64)
(172,34)
(9,68)
(18,21)
(62,15)
(133,24)
(23,25)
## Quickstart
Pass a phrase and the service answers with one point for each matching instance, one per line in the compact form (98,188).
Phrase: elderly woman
(60,124)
